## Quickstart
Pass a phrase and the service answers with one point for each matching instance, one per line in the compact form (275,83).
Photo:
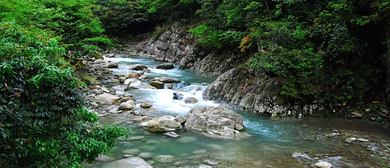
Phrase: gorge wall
(234,85)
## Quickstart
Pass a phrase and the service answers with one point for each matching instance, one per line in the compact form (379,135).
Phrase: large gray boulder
(219,122)
(107,98)
(167,79)
(164,124)
(133,162)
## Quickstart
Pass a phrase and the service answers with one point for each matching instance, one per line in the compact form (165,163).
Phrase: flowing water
(274,142)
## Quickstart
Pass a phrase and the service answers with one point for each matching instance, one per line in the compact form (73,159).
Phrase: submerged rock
(138,67)
(167,79)
(190,100)
(220,122)
(165,66)
(163,124)
(133,162)
(164,158)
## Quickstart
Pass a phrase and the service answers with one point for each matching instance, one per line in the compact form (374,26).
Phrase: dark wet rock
(217,122)
(138,67)
(178,96)
(167,79)
(190,100)
(165,66)
(163,124)
(133,162)
(157,84)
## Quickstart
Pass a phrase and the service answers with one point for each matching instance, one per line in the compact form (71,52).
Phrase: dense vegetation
(43,119)
(335,52)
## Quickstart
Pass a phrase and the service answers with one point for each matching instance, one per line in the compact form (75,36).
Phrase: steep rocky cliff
(234,86)
(177,45)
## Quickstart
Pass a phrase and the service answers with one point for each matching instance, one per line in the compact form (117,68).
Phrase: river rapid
(274,142)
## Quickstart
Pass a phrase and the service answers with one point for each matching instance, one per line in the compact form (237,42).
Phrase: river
(279,143)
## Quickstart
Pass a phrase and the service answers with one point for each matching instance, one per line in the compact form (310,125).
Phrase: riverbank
(275,142)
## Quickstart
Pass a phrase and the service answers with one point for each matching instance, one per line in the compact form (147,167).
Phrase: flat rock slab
(133,162)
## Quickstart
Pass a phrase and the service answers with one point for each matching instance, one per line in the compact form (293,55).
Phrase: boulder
(157,84)
(164,124)
(220,122)
(128,105)
(145,105)
(138,67)
(181,119)
(134,75)
(107,98)
(177,96)
(165,66)
(190,100)
(132,162)
(167,79)
(112,65)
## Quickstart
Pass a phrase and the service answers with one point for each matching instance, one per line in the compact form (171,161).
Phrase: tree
(43,121)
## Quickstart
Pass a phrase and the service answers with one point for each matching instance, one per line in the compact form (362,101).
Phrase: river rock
(323,165)
(138,67)
(139,119)
(190,100)
(177,96)
(217,122)
(157,84)
(181,119)
(169,86)
(167,79)
(103,158)
(113,81)
(164,158)
(120,88)
(145,105)
(107,98)
(163,124)
(112,65)
(128,105)
(133,162)
(145,155)
(204,166)
(106,90)
(121,79)
(134,75)
(128,81)
(165,66)
(171,134)
(140,85)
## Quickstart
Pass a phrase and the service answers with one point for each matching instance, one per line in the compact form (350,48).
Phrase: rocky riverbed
(150,99)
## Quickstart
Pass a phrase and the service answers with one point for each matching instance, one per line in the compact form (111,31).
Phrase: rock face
(254,95)
(177,45)
(133,162)
(164,124)
(220,122)
(165,66)
(107,98)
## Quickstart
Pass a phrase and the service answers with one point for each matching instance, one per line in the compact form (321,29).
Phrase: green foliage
(119,15)
(43,122)
(71,22)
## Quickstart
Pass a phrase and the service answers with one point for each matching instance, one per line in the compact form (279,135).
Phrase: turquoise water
(274,142)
